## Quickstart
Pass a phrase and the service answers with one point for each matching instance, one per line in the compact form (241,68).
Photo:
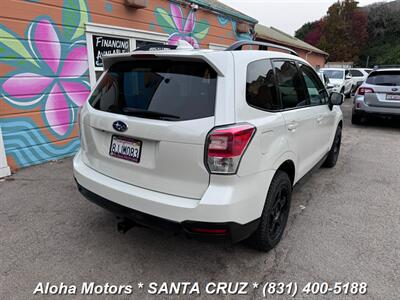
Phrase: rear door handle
(292,126)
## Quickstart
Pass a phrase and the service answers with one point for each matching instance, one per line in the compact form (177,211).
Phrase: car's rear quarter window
(261,90)
(185,89)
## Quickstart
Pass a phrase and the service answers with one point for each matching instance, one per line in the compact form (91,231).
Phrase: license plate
(126,148)
(393,97)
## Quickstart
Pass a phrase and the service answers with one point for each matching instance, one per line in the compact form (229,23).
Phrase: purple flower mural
(180,28)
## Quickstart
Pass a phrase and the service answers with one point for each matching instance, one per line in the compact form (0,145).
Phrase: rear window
(334,74)
(158,89)
(384,78)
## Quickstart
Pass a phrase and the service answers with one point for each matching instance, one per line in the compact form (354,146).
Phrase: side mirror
(335,99)
(348,76)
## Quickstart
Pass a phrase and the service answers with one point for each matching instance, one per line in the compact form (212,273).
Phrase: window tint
(290,84)
(161,89)
(326,80)
(260,86)
(356,73)
(385,78)
(334,74)
(316,90)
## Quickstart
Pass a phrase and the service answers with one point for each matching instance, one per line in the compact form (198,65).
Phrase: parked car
(209,143)
(359,75)
(379,95)
(341,79)
(325,80)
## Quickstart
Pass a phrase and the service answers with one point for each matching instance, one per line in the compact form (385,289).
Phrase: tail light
(364,90)
(226,146)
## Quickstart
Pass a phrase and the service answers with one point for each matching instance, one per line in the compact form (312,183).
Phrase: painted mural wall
(44,76)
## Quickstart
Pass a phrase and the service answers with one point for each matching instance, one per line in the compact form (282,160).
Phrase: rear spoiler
(109,60)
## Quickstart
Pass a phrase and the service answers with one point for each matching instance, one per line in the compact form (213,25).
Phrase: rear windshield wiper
(147,113)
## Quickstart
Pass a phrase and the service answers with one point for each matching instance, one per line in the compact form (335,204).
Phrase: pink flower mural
(49,75)
(55,83)
(180,28)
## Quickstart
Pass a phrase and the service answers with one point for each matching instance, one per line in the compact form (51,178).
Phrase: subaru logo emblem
(395,89)
(120,126)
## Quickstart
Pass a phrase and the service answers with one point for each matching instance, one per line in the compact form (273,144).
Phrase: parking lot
(344,226)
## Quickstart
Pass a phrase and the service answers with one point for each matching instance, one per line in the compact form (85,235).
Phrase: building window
(105,39)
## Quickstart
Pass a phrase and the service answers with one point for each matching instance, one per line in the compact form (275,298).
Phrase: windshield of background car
(334,74)
(384,78)
(184,90)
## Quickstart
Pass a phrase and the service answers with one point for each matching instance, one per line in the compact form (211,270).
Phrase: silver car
(378,95)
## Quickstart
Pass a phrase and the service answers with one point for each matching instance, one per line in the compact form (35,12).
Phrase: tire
(348,95)
(355,119)
(333,154)
(275,213)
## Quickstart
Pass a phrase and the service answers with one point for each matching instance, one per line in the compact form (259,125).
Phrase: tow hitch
(125,225)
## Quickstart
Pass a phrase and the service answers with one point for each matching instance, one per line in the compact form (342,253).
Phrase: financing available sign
(103,45)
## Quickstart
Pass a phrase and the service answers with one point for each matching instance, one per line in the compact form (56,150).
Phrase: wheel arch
(289,168)
(287,163)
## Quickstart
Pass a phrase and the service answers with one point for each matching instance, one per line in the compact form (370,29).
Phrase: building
(313,55)
(338,64)
(50,58)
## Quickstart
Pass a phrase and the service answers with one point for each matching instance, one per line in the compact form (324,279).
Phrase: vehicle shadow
(381,122)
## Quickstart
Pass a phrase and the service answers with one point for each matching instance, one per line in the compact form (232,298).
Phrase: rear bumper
(231,201)
(363,109)
(223,231)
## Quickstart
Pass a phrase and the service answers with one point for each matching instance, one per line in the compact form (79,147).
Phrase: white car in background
(359,75)
(341,79)
(325,80)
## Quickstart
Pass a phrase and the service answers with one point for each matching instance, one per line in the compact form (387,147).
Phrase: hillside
(366,35)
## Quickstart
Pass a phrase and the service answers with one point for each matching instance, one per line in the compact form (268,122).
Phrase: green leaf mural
(201,29)
(75,15)
(11,46)
(165,21)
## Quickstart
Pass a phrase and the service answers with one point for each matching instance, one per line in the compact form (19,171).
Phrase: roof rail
(386,66)
(155,46)
(264,46)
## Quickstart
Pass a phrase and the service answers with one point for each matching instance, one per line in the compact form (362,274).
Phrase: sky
(286,15)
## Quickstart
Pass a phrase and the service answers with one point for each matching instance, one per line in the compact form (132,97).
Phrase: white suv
(209,143)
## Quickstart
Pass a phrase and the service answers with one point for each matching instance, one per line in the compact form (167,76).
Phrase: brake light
(364,90)
(226,146)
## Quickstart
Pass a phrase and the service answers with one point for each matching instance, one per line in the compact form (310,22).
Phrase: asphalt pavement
(344,226)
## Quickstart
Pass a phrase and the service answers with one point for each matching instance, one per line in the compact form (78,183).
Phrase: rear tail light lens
(226,146)
(364,90)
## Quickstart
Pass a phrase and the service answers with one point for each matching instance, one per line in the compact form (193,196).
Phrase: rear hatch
(385,87)
(148,121)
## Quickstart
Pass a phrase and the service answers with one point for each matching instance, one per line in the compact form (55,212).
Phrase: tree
(313,37)
(342,32)
(304,30)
